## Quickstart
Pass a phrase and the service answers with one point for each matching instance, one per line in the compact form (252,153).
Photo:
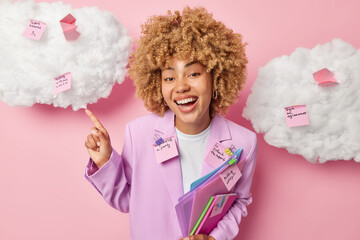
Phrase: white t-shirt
(191,153)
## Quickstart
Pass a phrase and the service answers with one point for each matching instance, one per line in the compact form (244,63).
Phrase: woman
(187,68)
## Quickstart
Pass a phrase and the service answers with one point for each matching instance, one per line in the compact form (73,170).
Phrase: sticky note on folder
(211,215)
(69,28)
(230,176)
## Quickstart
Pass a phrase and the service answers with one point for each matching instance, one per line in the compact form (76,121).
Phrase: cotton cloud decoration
(96,60)
(334,111)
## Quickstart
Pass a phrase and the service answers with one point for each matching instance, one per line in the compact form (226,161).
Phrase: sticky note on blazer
(325,77)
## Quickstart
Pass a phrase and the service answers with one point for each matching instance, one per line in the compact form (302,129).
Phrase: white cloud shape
(334,111)
(96,60)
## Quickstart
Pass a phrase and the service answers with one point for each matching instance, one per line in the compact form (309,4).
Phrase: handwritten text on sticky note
(296,116)
(35,29)
(219,205)
(62,83)
(166,150)
(217,155)
(230,176)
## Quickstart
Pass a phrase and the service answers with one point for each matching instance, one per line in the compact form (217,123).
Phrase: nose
(182,85)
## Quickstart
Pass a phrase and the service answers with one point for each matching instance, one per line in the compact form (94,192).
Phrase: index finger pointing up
(96,121)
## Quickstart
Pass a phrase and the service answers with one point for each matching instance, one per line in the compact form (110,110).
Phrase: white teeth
(187,100)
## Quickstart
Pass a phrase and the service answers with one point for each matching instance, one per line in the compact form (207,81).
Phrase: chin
(189,119)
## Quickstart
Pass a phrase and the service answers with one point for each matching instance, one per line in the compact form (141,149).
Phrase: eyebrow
(186,65)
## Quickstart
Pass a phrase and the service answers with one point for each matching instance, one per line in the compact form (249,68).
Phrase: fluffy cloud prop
(96,60)
(334,111)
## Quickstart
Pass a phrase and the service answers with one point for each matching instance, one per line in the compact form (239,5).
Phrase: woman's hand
(98,142)
(199,237)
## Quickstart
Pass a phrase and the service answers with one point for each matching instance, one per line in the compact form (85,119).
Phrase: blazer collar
(220,129)
(166,124)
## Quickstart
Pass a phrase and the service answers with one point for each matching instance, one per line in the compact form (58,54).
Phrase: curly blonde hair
(193,36)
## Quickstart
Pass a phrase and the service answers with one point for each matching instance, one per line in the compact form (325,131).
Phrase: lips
(187,104)
(186,101)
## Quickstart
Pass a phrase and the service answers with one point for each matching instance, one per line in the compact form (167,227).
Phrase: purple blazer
(135,182)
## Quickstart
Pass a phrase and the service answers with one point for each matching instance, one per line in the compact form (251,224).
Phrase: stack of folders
(208,200)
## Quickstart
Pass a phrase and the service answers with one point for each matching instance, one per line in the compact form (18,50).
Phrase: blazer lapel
(219,133)
(171,169)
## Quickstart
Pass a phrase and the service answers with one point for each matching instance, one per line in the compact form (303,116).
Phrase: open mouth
(187,102)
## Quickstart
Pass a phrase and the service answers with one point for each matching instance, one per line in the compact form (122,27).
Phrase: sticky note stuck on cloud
(62,83)
(69,28)
(296,116)
(35,29)
(325,77)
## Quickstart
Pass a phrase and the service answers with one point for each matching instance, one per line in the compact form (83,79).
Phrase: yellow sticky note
(228,152)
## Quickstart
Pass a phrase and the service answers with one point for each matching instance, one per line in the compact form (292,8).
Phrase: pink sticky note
(35,29)
(230,176)
(166,150)
(69,27)
(62,83)
(324,77)
(217,155)
(296,116)
(219,205)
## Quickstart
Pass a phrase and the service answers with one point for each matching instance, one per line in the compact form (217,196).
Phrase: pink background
(45,196)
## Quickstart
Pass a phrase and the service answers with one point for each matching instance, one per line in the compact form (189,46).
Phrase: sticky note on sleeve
(296,116)
(35,29)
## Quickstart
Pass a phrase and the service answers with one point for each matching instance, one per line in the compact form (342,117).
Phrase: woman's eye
(168,79)
(194,74)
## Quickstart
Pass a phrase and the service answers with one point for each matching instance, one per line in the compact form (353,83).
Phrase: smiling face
(186,88)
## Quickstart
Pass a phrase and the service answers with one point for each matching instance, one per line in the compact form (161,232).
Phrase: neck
(193,128)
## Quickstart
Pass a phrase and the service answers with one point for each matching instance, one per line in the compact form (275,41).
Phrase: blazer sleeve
(228,227)
(113,179)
